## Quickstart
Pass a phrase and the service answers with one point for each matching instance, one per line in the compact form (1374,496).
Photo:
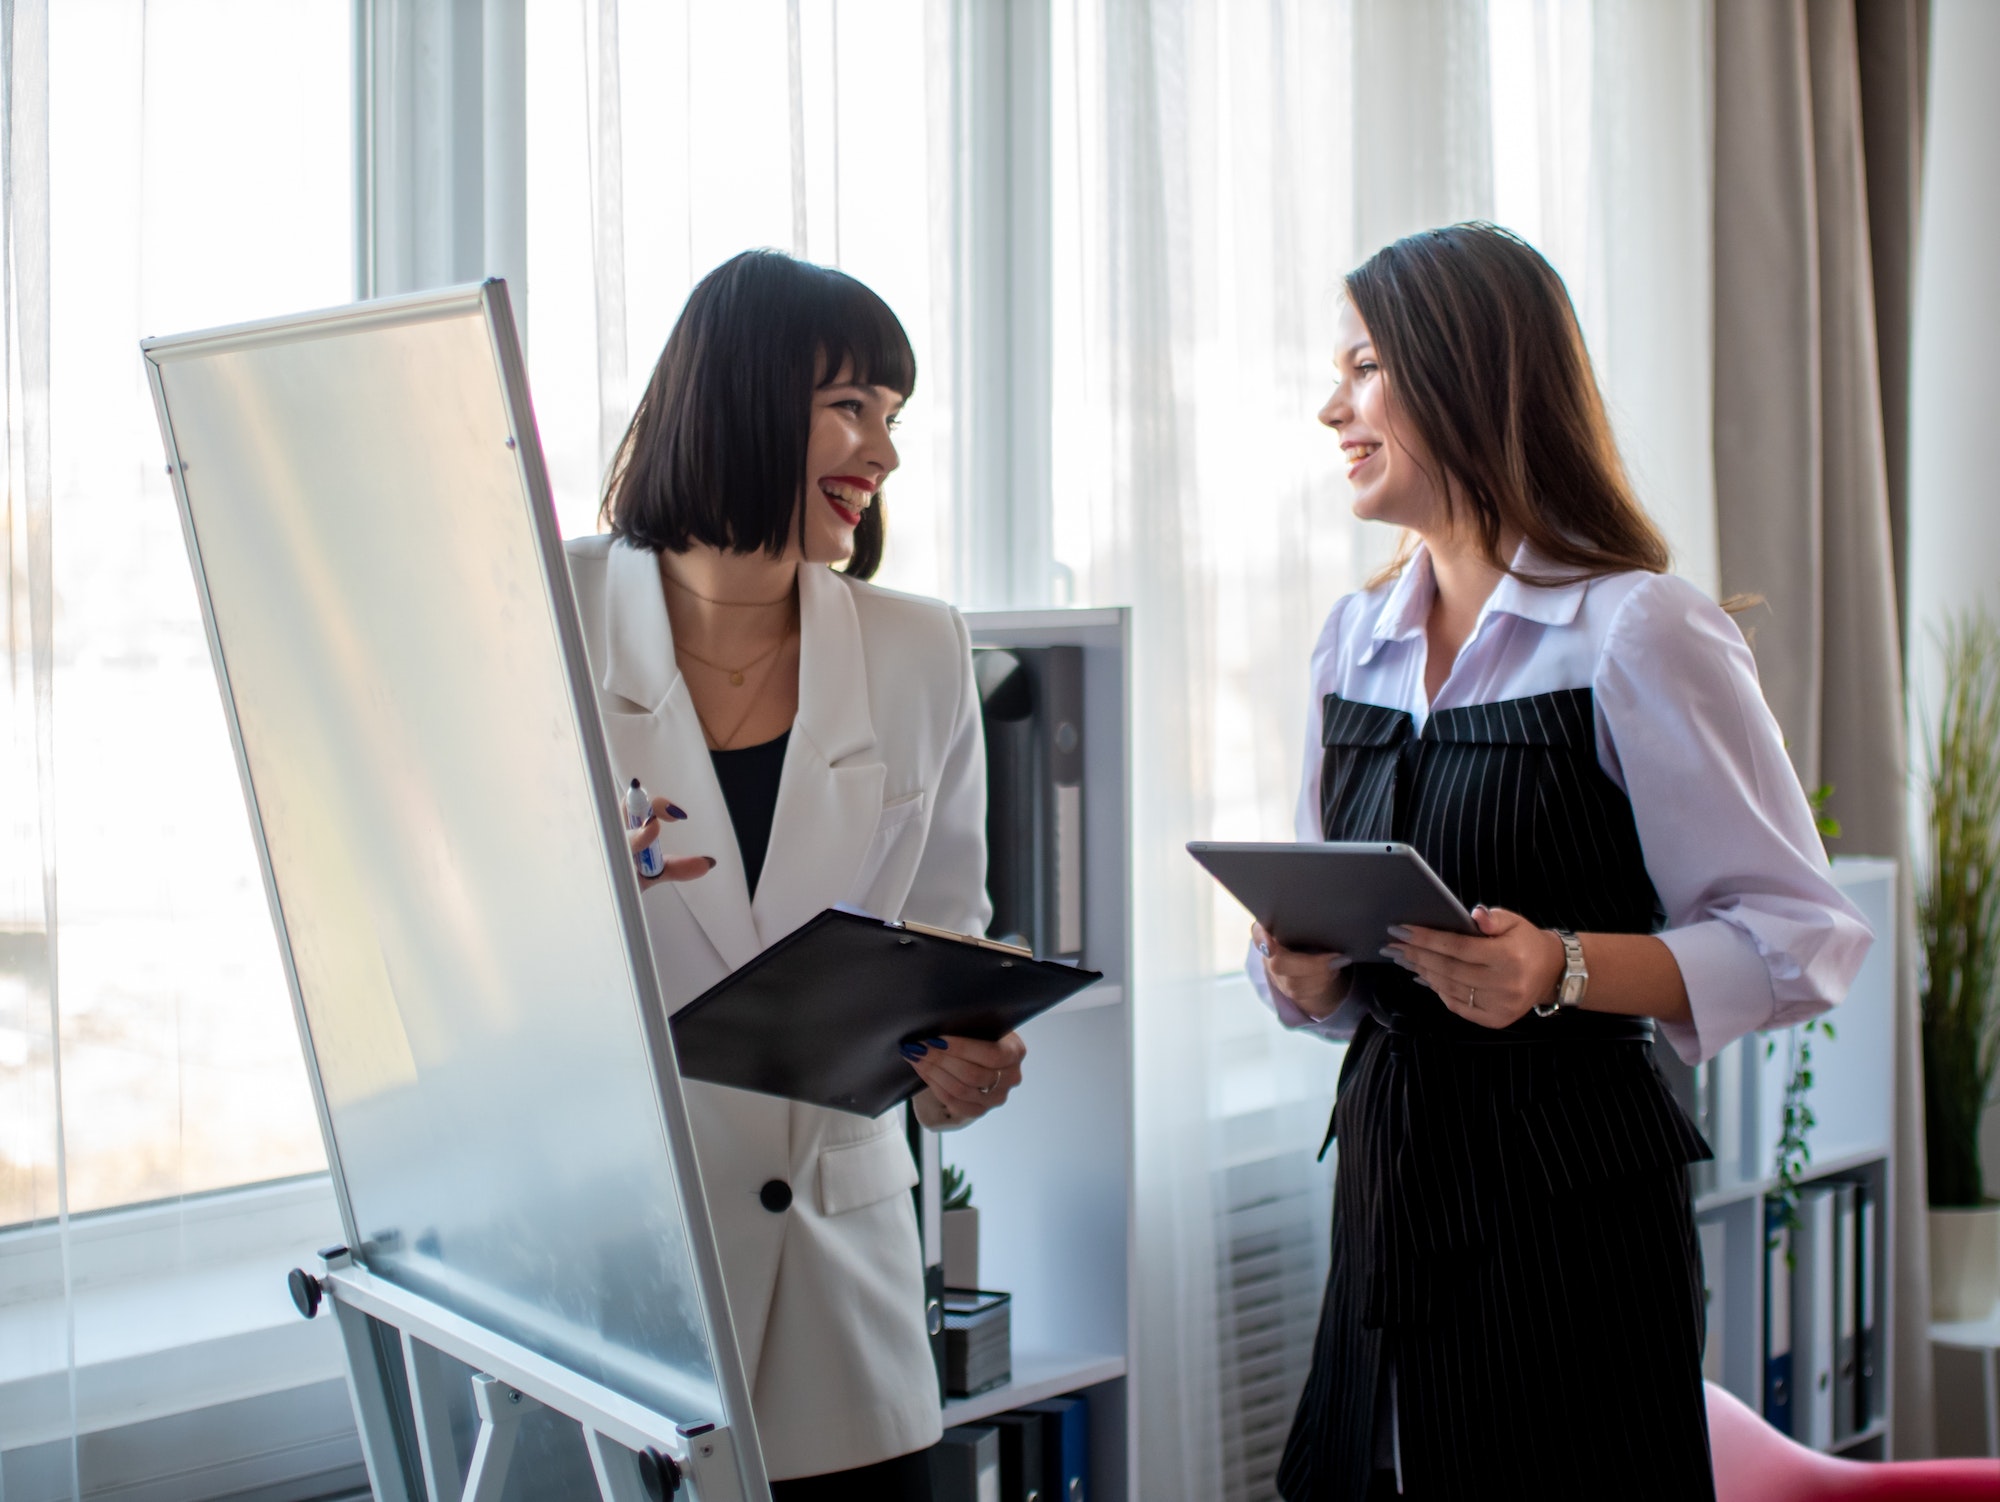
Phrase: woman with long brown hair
(1575,741)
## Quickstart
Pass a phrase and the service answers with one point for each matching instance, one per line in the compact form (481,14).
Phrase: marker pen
(638,809)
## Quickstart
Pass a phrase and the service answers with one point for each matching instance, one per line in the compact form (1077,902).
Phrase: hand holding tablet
(1342,897)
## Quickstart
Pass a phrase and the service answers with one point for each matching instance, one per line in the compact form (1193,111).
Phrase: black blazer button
(775,1196)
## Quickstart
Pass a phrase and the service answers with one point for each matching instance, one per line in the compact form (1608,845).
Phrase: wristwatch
(1575,977)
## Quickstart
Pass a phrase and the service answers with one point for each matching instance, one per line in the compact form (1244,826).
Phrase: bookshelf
(1052,1172)
(1737,1099)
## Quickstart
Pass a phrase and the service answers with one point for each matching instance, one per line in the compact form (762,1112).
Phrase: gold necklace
(731,604)
(735,674)
(727,742)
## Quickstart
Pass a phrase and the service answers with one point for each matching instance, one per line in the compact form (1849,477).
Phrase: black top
(1508,804)
(1512,1236)
(749,777)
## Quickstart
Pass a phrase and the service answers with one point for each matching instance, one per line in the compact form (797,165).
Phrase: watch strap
(1573,982)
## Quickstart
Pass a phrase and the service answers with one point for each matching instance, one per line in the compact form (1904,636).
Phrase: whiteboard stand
(636,1455)
(388,608)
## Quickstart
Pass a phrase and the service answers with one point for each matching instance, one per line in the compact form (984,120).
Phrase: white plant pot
(961,1247)
(1965,1263)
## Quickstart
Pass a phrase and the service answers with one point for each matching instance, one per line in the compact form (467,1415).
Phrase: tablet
(1340,897)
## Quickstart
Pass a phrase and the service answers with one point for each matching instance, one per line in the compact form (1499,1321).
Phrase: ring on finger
(996,1080)
(1472,997)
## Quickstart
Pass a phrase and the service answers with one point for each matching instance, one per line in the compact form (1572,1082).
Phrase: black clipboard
(821,1015)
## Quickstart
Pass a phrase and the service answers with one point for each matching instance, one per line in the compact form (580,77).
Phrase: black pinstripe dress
(1514,1254)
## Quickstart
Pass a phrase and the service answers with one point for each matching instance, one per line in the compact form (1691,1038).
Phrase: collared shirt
(1762,936)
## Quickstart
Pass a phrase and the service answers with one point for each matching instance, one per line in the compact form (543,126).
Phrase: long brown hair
(1482,350)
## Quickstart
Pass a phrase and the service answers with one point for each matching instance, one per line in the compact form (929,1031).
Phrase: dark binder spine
(1065,1448)
(1867,1382)
(1848,1418)
(1031,710)
(965,1464)
(1062,725)
(1777,1319)
(1020,1457)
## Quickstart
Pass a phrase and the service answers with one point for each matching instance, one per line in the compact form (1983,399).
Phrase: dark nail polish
(674,811)
(937,1043)
(711,861)
(913,1050)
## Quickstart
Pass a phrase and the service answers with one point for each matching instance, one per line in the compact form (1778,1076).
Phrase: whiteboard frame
(489,300)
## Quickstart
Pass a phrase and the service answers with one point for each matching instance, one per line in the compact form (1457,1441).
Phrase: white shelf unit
(1853,1100)
(1052,1172)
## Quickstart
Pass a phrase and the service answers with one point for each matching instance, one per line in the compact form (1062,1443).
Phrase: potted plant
(1959,917)
(960,1228)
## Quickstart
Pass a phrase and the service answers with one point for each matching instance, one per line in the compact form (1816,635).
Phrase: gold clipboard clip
(931,931)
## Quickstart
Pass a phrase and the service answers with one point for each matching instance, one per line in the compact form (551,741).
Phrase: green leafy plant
(1794,1146)
(1794,1141)
(1958,910)
(957,1189)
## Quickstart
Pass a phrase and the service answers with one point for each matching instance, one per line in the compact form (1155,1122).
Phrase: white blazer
(882,804)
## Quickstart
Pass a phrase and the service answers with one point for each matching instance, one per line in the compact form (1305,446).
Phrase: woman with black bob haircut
(1574,739)
(811,740)
(715,454)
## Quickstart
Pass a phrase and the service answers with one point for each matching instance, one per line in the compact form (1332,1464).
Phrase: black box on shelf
(978,1341)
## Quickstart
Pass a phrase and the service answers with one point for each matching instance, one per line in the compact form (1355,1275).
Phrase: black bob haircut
(716,453)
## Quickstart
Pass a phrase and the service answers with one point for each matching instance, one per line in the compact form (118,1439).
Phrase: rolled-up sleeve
(1762,936)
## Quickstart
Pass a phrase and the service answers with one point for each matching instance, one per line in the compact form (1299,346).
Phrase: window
(703,142)
(200,173)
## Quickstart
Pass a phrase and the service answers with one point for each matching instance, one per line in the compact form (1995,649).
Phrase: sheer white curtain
(1600,129)
(663,139)
(32,1183)
(1217,168)
(147,1053)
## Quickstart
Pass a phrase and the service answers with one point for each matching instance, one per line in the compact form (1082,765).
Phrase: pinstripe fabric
(1511,1216)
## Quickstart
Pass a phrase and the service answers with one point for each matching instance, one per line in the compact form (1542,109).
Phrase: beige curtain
(1818,139)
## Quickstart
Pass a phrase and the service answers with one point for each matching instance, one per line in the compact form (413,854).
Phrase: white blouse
(1762,936)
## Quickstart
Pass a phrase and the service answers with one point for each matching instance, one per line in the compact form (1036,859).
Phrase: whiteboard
(370,526)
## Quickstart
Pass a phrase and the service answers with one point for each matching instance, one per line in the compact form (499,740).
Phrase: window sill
(176,1307)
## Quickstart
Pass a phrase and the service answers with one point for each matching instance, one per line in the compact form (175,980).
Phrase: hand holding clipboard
(824,1014)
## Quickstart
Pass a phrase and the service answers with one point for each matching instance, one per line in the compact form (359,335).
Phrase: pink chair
(1755,1463)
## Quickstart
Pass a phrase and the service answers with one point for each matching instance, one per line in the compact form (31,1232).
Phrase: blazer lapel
(830,798)
(665,748)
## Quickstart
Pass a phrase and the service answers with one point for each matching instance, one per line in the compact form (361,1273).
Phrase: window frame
(228,1249)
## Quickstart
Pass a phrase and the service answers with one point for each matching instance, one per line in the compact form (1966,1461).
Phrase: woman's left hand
(1493,978)
(967,1077)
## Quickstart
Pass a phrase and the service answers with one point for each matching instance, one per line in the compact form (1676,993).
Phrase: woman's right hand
(1314,981)
(672,867)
